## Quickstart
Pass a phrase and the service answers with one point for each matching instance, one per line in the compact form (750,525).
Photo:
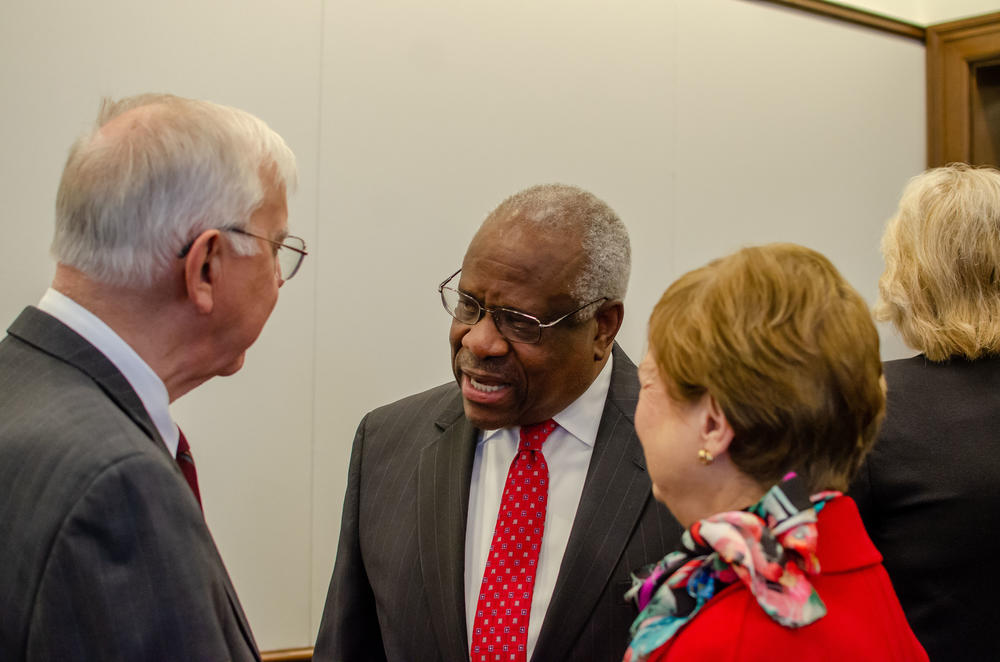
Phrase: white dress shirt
(567,452)
(146,384)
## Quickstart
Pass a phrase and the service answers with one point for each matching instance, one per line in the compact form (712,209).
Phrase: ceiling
(926,12)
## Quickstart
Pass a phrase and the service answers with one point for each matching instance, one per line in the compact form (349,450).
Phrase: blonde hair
(788,349)
(941,284)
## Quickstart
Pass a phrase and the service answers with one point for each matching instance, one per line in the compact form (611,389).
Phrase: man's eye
(467,307)
(519,323)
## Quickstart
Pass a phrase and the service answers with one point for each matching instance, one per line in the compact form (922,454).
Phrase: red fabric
(186,462)
(500,629)
(864,621)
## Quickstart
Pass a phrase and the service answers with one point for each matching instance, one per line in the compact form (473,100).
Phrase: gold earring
(705,457)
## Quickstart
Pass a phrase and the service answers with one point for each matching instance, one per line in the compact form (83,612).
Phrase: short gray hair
(131,198)
(605,242)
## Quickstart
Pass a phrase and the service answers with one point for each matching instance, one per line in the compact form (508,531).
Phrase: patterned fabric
(771,548)
(186,462)
(500,629)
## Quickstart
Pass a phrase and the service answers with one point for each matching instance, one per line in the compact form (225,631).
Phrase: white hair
(154,172)
(604,238)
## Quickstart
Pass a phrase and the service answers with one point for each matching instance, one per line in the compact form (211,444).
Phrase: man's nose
(483,338)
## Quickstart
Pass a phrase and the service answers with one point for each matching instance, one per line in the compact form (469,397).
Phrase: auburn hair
(788,349)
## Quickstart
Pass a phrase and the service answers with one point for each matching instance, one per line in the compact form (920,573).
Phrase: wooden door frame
(952,49)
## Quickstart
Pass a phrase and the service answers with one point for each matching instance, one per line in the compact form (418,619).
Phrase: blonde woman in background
(760,395)
(930,492)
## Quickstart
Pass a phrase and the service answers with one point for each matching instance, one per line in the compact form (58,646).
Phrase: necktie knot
(533,436)
(183,448)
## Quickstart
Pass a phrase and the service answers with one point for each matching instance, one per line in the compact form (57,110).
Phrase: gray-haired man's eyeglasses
(289,260)
(513,325)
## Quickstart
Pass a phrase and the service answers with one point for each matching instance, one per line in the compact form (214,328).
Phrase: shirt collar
(146,384)
(582,417)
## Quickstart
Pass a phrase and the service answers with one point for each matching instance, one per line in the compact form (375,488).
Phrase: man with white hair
(498,517)
(171,240)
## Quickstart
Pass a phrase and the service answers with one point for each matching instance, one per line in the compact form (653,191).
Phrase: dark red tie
(500,628)
(186,462)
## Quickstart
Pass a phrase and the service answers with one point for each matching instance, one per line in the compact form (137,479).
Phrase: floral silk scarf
(770,547)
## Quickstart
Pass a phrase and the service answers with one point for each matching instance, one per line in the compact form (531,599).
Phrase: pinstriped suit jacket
(398,588)
(104,553)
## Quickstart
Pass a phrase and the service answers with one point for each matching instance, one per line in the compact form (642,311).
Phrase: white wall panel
(708,124)
(251,434)
(434,113)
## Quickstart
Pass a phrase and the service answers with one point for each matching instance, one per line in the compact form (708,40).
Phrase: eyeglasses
(513,325)
(289,260)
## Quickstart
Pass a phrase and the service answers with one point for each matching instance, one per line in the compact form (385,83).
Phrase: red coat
(863,621)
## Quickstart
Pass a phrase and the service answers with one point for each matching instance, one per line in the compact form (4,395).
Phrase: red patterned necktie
(186,462)
(500,629)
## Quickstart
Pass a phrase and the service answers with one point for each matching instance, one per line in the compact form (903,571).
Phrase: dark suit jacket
(398,587)
(105,554)
(863,622)
(929,495)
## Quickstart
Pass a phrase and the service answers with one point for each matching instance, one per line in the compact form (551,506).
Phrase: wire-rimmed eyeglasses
(289,260)
(513,325)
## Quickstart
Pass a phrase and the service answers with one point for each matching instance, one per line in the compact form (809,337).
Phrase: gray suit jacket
(398,588)
(105,554)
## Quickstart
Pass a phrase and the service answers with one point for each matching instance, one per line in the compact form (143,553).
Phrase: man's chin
(486,418)
(233,366)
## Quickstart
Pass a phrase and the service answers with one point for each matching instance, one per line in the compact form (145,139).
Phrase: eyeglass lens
(289,261)
(512,325)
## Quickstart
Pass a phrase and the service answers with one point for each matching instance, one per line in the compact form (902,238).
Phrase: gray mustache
(493,366)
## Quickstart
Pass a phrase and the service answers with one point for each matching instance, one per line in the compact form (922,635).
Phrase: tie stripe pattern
(186,462)
(500,628)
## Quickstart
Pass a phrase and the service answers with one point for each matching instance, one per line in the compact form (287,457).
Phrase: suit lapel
(443,479)
(51,336)
(614,494)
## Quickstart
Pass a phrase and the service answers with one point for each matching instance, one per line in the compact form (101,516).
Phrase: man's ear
(609,319)
(716,432)
(202,268)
